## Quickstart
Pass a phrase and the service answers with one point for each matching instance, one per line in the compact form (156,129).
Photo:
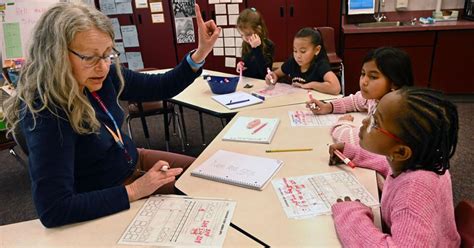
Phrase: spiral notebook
(252,129)
(243,170)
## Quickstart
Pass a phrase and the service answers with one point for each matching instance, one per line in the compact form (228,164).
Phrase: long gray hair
(47,74)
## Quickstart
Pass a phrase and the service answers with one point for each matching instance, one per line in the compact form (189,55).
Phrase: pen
(260,127)
(290,150)
(312,105)
(344,158)
(237,102)
(258,96)
(271,79)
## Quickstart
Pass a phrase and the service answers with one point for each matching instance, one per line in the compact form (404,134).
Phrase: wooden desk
(103,232)
(259,213)
(197,96)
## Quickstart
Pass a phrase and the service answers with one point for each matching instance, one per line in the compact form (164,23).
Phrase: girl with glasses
(414,134)
(384,69)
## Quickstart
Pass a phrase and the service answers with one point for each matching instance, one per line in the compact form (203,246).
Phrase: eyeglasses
(91,61)
(373,125)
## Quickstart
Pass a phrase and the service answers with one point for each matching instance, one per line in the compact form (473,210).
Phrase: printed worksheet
(311,195)
(306,118)
(279,89)
(167,220)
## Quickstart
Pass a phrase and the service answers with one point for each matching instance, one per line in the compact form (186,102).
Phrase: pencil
(344,158)
(290,150)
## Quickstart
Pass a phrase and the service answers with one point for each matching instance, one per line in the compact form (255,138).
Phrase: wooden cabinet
(285,17)
(453,61)
(418,45)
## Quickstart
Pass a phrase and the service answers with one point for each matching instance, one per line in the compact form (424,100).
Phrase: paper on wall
(158,18)
(219,42)
(134,60)
(230,51)
(130,35)
(218,51)
(108,7)
(121,49)
(228,32)
(230,62)
(221,20)
(156,7)
(116,27)
(124,8)
(233,9)
(228,42)
(220,9)
(233,19)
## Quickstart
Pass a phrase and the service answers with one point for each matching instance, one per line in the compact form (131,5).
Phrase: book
(238,169)
(237,100)
(252,129)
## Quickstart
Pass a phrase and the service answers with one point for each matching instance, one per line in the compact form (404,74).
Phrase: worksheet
(306,118)
(279,89)
(311,195)
(168,220)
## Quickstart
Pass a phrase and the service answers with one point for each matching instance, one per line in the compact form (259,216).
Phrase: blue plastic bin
(222,85)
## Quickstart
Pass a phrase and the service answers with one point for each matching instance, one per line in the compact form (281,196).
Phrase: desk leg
(145,126)
(181,112)
(202,129)
(167,128)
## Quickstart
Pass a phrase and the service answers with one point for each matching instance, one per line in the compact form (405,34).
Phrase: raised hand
(208,32)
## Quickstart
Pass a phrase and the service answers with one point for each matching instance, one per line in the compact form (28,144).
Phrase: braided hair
(429,126)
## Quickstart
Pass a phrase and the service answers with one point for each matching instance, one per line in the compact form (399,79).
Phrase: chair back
(464,214)
(327,35)
(20,140)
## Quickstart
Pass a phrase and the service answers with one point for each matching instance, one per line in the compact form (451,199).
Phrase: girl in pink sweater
(384,69)
(414,131)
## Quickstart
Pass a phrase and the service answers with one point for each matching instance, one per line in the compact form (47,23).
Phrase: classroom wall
(424,5)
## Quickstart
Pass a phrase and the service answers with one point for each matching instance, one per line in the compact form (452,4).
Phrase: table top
(198,95)
(259,212)
(102,232)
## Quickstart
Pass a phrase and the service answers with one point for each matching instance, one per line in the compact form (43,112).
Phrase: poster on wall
(184,30)
(183,8)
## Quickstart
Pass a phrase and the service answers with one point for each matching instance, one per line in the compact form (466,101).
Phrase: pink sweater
(347,131)
(417,206)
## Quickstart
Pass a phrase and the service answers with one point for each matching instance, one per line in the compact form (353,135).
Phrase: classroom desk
(197,96)
(260,213)
(102,232)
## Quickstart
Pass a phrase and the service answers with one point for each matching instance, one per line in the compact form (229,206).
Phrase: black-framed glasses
(91,61)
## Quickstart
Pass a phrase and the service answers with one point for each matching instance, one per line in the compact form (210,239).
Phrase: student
(414,134)
(257,49)
(384,69)
(82,166)
(309,67)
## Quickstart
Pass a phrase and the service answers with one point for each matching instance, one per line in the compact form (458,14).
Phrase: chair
(144,109)
(327,34)
(464,214)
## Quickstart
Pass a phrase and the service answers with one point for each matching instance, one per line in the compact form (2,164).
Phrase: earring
(390,158)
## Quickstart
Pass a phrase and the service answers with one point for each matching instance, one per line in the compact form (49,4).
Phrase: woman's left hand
(208,32)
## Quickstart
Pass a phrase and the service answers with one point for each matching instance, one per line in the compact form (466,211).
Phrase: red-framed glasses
(373,125)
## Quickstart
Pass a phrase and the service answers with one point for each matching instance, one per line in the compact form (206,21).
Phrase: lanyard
(117,136)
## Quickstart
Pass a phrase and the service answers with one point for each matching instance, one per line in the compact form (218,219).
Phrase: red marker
(344,158)
(260,127)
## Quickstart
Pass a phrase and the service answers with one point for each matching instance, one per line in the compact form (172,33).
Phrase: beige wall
(424,5)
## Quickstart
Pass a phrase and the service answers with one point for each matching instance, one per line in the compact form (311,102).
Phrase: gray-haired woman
(81,165)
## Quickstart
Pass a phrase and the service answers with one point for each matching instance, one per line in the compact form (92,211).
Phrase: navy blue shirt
(315,72)
(80,177)
(257,61)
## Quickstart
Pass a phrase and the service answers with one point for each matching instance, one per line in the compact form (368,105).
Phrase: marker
(290,150)
(344,158)
(271,78)
(260,127)
(258,96)
(165,168)
(237,102)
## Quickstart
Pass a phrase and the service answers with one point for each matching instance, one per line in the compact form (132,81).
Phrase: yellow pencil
(290,150)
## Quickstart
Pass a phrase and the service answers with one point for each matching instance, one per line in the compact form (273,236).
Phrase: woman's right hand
(151,181)
(271,78)
(318,107)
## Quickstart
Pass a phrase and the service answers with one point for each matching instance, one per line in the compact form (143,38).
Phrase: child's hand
(318,107)
(254,41)
(271,78)
(333,159)
(240,67)
(346,118)
(297,85)
(347,198)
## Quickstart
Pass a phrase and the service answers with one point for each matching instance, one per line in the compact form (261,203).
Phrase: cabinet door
(156,39)
(274,15)
(453,60)
(304,13)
